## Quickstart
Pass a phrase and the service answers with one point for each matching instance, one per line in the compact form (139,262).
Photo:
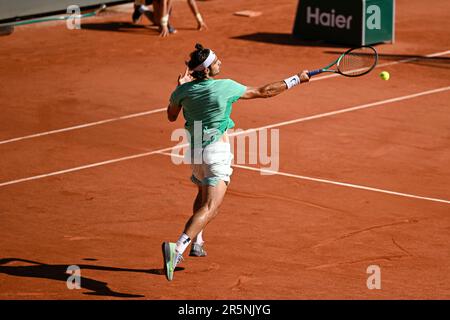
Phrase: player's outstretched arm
(275,88)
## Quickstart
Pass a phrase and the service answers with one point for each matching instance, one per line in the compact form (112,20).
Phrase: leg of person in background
(140,8)
(170,6)
(136,13)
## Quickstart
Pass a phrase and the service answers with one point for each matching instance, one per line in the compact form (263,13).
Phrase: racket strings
(358,62)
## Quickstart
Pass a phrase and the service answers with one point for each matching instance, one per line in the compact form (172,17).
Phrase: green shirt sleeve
(235,90)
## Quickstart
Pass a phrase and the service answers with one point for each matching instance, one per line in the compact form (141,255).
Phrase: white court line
(92,165)
(134,115)
(342,184)
(233,134)
(89,124)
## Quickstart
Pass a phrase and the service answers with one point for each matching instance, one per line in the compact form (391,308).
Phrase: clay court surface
(94,194)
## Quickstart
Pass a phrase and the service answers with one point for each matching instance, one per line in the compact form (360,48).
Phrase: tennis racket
(354,62)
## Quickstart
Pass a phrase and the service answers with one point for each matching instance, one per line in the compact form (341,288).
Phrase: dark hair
(197,58)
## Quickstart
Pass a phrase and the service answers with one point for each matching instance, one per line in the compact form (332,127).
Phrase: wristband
(165,20)
(292,81)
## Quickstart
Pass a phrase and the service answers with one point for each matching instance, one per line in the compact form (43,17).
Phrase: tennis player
(207,104)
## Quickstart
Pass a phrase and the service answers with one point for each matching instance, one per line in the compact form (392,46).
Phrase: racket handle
(314,72)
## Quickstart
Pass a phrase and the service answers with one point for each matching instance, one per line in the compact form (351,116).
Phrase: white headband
(207,62)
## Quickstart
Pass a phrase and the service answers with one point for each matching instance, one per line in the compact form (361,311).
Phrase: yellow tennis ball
(384,75)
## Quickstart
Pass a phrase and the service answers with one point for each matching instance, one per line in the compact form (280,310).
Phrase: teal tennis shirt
(209,103)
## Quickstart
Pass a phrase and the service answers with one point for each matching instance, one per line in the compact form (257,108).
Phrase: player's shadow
(58,272)
(127,27)
(437,62)
(286,39)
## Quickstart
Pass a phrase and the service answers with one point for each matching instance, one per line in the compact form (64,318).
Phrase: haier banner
(352,22)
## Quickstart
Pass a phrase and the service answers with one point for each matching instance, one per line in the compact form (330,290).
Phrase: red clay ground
(276,237)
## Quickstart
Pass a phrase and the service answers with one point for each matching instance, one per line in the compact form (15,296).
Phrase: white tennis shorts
(211,164)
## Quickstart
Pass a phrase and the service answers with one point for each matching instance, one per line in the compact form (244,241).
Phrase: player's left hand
(186,77)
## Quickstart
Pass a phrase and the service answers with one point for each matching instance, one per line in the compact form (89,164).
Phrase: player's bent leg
(216,171)
(198,247)
(212,177)
(213,198)
(197,244)
(198,199)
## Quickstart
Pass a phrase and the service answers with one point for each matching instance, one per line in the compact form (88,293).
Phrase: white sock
(199,239)
(143,8)
(182,243)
